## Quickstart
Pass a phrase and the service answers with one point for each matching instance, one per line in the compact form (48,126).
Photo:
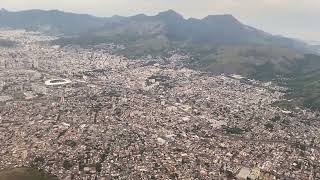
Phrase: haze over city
(177,89)
(293,18)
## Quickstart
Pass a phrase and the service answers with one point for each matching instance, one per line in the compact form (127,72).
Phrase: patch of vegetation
(18,96)
(67,164)
(300,146)
(234,130)
(285,122)
(265,71)
(275,119)
(304,83)
(98,167)
(37,161)
(284,104)
(25,174)
(62,133)
(70,143)
(269,126)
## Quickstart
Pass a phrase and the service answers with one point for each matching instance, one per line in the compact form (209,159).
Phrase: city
(82,113)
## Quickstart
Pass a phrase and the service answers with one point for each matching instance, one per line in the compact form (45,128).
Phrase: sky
(291,18)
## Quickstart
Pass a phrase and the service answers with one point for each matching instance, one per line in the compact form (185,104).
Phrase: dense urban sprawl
(89,114)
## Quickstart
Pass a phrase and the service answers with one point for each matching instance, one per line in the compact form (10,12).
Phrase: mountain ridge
(60,22)
(54,21)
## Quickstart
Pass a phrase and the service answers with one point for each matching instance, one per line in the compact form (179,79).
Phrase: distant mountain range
(213,29)
(53,21)
(216,43)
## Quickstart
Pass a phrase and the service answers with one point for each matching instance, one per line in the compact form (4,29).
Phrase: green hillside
(299,72)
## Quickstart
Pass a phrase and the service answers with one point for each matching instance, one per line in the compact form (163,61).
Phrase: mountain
(167,31)
(211,30)
(168,26)
(53,21)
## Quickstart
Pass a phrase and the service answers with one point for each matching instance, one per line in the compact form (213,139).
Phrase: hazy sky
(293,18)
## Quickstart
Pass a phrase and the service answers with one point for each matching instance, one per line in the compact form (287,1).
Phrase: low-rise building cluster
(149,118)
